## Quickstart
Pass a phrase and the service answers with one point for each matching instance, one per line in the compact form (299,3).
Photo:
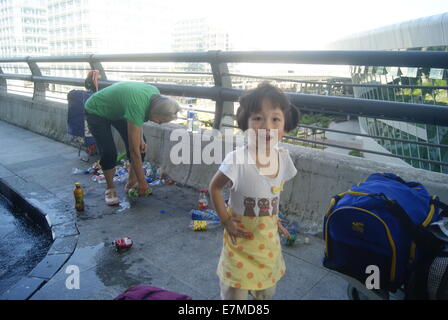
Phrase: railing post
(96,65)
(3,83)
(39,87)
(224,109)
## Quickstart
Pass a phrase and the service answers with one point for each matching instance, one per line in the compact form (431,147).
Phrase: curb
(52,214)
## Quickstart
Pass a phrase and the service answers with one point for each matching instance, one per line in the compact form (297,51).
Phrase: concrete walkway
(344,139)
(166,253)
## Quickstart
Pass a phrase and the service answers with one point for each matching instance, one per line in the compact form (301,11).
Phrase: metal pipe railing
(425,59)
(361,107)
(224,95)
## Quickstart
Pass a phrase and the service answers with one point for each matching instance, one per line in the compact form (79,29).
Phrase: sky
(298,24)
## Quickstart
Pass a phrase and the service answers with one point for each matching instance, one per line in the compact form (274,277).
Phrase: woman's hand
(143,146)
(142,189)
(235,230)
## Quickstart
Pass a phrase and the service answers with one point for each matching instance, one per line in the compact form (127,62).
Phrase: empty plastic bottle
(203,225)
(191,120)
(208,214)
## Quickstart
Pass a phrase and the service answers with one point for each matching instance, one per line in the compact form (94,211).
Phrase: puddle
(22,245)
(112,268)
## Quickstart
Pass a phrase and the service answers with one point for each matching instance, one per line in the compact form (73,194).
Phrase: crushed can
(123,243)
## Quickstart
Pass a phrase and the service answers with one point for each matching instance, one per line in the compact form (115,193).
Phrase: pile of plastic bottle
(153,174)
(202,220)
(94,170)
(203,217)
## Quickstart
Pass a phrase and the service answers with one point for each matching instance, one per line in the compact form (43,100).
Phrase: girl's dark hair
(250,102)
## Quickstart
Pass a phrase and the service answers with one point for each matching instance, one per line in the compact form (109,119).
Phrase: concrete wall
(320,174)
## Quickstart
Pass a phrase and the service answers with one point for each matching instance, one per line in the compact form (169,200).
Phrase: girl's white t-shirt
(254,194)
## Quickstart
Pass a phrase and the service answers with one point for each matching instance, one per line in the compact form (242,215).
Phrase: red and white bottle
(203,202)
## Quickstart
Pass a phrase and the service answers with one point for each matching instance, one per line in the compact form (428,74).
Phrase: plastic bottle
(78,192)
(202,225)
(208,214)
(148,169)
(121,156)
(80,171)
(154,172)
(156,183)
(191,119)
(203,202)
(195,123)
(99,178)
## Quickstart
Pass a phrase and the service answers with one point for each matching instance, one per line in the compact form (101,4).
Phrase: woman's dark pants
(101,129)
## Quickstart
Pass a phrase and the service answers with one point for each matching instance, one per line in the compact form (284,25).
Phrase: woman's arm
(135,138)
(229,222)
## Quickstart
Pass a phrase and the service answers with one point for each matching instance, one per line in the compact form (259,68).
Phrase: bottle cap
(203,190)
(77,184)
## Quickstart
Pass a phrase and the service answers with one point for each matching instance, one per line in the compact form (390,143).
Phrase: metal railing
(222,93)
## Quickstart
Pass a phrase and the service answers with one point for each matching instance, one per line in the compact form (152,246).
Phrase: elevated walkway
(166,253)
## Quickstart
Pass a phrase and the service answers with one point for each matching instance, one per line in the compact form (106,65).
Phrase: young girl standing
(251,259)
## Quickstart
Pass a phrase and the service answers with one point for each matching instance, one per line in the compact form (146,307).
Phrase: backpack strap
(430,244)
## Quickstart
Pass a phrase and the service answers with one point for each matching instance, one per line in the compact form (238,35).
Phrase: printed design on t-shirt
(274,202)
(278,189)
(263,204)
(249,205)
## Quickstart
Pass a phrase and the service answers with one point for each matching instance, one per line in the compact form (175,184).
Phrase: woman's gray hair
(164,107)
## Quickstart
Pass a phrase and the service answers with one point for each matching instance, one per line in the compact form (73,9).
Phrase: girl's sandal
(110,196)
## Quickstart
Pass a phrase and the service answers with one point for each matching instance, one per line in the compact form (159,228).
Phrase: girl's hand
(234,230)
(283,230)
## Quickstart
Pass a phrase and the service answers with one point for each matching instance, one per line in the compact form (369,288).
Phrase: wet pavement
(166,253)
(22,245)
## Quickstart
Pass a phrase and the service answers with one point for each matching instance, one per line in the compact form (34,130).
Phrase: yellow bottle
(79,197)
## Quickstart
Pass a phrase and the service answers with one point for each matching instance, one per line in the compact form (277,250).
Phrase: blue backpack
(383,222)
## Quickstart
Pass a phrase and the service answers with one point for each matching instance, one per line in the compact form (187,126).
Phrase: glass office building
(428,86)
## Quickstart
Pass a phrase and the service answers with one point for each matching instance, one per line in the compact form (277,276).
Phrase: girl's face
(268,124)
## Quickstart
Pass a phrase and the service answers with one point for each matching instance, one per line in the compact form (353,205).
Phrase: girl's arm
(283,229)
(229,222)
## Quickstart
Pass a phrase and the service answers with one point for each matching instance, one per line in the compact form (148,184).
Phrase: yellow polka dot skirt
(256,263)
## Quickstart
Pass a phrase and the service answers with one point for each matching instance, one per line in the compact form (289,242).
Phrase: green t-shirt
(128,100)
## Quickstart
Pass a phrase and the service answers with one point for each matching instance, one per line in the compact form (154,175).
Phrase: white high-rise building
(198,34)
(23,28)
(79,27)
(107,26)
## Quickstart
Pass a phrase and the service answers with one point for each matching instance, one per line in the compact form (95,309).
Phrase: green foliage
(356,153)
(315,119)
